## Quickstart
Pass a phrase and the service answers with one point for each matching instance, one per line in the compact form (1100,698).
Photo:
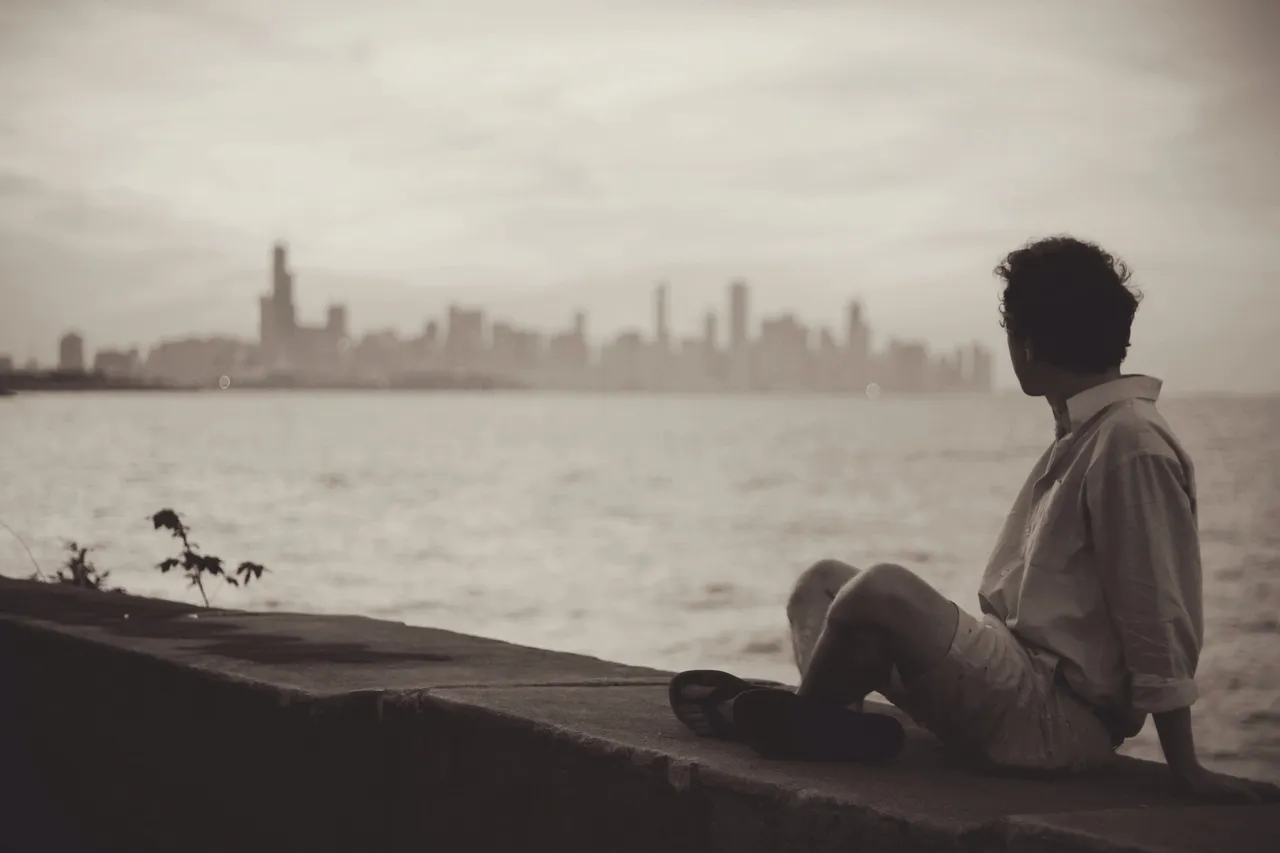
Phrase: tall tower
(738,316)
(857,343)
(660,332)
(278,320)
(71,353)
(581,352)
(739,355)
(284,316)
(855,328)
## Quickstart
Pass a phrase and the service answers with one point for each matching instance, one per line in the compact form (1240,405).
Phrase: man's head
(1067,309)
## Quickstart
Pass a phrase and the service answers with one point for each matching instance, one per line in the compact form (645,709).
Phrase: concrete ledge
(1208,828)
(156,727)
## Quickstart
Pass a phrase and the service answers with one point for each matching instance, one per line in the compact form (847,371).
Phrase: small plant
(195,566)
(79,570)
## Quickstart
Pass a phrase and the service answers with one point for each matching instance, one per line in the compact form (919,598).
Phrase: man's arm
(1143,522)
(1177,742)
(1144,532)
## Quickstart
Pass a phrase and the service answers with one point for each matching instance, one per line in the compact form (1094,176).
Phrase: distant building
(514,352)
(712,365)
(337,325)
(687,369)
(661,335)
(566,361)
(782,360)
(379,355)
(71,353)
(286,346)
(621,362)
(739,342)
(907,367)
(857,344)
(278,313)
(6,364)
(118,364)
(982,376)
(948,373)
(424,350)
(738,316)
(828,370)
(464,342)
(659,371)
(197,361)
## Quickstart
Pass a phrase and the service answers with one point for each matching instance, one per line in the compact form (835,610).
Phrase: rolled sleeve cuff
(1157,695)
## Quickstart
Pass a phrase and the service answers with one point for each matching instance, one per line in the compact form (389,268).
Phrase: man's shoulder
(1134,428)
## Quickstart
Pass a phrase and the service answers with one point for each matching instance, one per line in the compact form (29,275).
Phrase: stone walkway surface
(152,725)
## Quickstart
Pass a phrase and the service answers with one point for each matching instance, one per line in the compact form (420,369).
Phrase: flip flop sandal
(780,725)
(702,713)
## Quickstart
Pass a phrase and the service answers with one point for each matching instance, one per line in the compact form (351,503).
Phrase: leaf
(166,565)
(248,570)
(209,565)
(167,519)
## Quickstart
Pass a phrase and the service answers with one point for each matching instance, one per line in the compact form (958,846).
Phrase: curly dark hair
(1071,301)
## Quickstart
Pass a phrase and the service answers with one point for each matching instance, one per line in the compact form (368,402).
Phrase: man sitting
(1091,603)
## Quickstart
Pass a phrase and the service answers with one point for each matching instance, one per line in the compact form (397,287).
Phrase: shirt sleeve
(1143,522)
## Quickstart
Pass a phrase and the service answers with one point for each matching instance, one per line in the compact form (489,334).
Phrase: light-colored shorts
(992,700)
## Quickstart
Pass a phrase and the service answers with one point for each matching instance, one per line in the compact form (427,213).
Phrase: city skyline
(506,152)
(756,351)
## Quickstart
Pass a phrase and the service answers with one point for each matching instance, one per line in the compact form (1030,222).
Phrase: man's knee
(885,595)
(818,585)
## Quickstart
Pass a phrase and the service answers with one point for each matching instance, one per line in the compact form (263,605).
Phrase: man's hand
(1209,787)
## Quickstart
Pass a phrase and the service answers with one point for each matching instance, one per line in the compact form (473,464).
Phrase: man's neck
(1069,385)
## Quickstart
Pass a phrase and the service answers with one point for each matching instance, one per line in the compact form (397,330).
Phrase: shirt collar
(1089,402)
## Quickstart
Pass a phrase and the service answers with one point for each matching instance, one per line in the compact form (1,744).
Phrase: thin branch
(26,548)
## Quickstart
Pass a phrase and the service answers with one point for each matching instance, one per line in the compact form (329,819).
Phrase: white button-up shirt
(1097,568)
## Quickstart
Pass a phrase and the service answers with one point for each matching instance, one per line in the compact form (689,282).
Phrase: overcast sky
(537,155)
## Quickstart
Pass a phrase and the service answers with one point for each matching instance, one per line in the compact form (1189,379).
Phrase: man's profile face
(1023,368)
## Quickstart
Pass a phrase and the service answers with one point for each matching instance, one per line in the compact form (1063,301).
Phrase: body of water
(654,530)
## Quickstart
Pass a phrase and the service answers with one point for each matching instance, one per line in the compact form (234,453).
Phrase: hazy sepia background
(538,157)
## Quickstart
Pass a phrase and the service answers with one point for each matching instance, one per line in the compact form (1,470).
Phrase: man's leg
(966,679)
(807,607)
(811,598)
(871,622)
